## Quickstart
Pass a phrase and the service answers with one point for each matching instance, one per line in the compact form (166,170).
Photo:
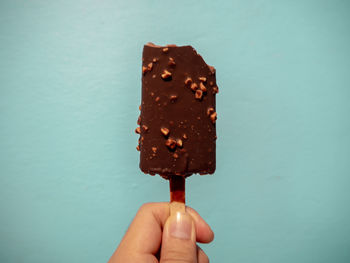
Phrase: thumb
(179,240)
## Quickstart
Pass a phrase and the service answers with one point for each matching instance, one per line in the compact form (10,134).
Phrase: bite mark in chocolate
(212,70)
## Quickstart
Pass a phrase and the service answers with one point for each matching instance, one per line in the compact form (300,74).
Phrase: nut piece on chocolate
(213,117)
(173,98)
(144,70)
(199,94)
(194,86)
(166,75)
(179,142)
(203,79)
(188,81)
(210,110)
(171,62)
(164,131)
(202,87)
(177,121)
(170,143)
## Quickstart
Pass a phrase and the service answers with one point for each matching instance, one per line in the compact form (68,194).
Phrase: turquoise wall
(69,96)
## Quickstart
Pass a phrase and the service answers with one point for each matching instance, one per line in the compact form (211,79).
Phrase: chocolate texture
(177,121)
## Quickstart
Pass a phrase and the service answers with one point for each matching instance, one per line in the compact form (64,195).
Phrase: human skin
(154,236)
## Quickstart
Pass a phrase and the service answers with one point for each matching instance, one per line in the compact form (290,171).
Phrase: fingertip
(203,231)
(160,211)
(205,234)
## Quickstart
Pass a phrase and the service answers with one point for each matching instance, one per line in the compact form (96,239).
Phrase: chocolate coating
(178,111)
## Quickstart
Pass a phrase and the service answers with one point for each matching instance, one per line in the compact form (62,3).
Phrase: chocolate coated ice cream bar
(177,122)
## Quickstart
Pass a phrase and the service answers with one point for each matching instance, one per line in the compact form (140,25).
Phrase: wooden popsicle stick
(177,194)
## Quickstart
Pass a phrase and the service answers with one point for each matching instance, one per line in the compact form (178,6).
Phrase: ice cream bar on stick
(177,121)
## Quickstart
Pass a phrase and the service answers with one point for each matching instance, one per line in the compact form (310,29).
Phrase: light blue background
(69,96)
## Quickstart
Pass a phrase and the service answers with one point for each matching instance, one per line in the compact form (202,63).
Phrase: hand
(155,237)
